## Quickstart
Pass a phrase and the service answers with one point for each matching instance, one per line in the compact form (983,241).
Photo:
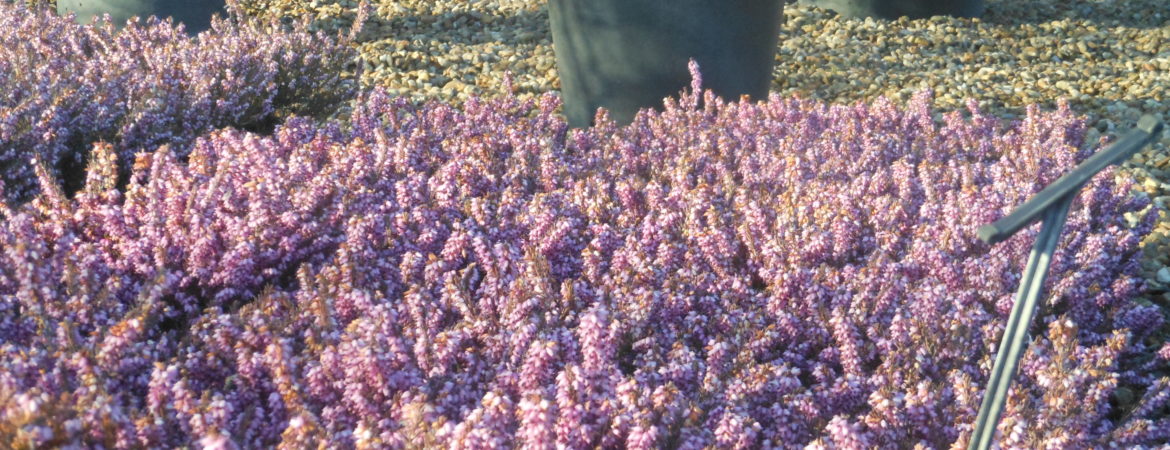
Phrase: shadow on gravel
(1104,13)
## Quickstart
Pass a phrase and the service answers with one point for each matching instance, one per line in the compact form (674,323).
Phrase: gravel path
(1110,59)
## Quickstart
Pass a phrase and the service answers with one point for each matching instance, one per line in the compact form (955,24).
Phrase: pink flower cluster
(782,274)
(65,86)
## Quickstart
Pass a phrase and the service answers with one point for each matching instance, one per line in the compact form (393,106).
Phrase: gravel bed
(1109,59)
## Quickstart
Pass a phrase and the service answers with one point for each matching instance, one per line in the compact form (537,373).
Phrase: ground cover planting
(782,274)
(64,87)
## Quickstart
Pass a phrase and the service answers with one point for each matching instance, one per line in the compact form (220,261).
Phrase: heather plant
(782,274)
(68,86)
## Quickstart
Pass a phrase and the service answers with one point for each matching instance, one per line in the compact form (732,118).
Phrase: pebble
(1109,59)
(440,49)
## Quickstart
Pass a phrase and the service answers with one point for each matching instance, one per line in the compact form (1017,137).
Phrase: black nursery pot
(624,55)
(194,14)
(893,9)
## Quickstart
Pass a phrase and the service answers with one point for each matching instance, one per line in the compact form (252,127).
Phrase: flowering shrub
(67,86)
(782,274)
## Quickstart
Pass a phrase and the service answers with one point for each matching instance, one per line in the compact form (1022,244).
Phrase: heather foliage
(781,274)
(65,86)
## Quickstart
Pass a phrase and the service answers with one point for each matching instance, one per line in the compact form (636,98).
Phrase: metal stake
(1051,204)
(1015,337)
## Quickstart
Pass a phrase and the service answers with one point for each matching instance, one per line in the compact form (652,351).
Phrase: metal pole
(1015,337)
(1147,129)
(1050,205)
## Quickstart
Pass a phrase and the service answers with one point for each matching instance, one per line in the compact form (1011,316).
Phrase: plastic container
(194,14)
(624,55)
(893,9)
